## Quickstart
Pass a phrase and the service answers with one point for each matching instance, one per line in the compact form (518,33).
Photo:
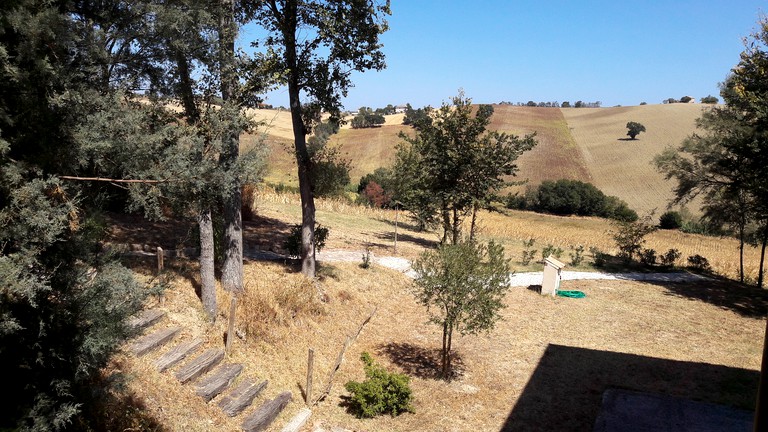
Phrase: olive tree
(463,287)
(634,129)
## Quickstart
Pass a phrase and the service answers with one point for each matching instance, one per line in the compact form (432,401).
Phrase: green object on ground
(571,294)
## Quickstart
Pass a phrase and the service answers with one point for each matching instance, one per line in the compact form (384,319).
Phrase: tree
(630,236)
(634,129)
(566,104)
(453,166)
(709,99)
(685,99)
(367,118)
(313,46)
(415,116)
(463,287)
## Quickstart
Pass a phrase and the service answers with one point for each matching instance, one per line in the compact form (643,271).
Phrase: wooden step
(241,397)
(151,341)
(177,354)
(298,421)
(260,419)
(200,365)
(218,381)
(145,319)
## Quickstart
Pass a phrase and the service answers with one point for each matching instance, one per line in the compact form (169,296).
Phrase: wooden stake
(160,267)
(310,368)
(396,212)
(231,326)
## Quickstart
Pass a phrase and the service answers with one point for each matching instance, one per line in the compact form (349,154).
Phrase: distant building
(399,109)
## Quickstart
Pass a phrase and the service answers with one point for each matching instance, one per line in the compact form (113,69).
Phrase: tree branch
(111,180)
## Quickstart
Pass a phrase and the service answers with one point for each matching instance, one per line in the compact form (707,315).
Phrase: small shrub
(381,393)
(648,257)
(516,202)
(630,236)
(599,258)
(577,256)
(698,262)
(671,220)
(366,258)
(528,253)
(551,250)
(668,259)
(292,244)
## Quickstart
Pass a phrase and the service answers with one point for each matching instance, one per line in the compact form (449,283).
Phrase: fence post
(160,268)
(310,368)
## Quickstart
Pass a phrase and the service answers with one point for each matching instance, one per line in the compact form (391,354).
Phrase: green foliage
(669,258)
(599,258)
(453,165)
(634,129)
(648,257)
(709,99)
(630,236)
(378,189)
(381,393)
(698,262)
(551,250)
(571,197)
(463,287)
(685,99)
(577,256)
(416,117)
(528,253)
(367,118)
(671,220)
(366,258)
(292,244)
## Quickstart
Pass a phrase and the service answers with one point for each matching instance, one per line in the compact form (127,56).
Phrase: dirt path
(515,279)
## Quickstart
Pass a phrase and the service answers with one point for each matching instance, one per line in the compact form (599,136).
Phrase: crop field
(555,156)
(622,167)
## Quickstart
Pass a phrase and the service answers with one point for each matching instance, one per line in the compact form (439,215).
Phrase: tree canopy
(453,166)
(634,129)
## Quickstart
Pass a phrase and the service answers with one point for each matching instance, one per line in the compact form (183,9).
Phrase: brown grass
(546,354)
(623,168)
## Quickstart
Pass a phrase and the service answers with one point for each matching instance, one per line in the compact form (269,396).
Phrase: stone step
(200,365)
(298,421)
(151,341)
(145,319)
(177,354)
(234,402)
(260,419)
(217,381)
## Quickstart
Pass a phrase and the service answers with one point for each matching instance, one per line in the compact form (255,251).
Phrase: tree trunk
(741,251)
(232,269)
(446,225)
(762,258)
(288,27)
(473,226)
(207,272)
(456,226)
(444,352)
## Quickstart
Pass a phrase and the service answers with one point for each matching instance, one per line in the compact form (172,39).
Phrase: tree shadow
(419,361)
(745,300)
(390,236)
(566,389)
(627,139)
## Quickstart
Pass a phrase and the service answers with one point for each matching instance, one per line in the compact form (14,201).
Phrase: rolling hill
(588,144)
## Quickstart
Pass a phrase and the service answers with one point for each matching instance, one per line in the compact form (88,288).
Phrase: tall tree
(454,166)
(314,46)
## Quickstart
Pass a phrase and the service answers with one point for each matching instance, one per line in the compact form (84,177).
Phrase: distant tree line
(368,118)
(555,104)
(571,197)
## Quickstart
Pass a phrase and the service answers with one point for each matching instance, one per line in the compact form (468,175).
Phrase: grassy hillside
(582,144)
(622,167)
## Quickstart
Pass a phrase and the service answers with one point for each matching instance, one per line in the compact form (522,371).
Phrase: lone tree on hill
(634,129)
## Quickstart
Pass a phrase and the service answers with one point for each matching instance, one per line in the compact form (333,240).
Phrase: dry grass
(623,168)
(546,354)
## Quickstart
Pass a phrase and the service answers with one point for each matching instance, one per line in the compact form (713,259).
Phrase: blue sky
(616,52)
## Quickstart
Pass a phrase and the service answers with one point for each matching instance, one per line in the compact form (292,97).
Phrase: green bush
(671,220)
(551,250)
(577,256)
(648,257)
(528,253)
(292,244)
(668,259)
(381,393)
(698,262)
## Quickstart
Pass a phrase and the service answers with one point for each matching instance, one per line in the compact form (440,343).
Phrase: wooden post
(160,267)
(396,212)
(310,368)
(231,326)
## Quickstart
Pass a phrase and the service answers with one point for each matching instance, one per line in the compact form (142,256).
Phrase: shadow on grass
(114,408)
(745,300)
(390,237)
(419,361)
(565,391)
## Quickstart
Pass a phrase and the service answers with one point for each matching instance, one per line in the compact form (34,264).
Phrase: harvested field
(555,156)
(622,167)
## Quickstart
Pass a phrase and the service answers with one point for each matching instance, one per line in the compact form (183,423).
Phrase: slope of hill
(588,144)
(622,167)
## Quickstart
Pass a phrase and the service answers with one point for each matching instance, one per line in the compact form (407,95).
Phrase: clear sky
(617,52)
